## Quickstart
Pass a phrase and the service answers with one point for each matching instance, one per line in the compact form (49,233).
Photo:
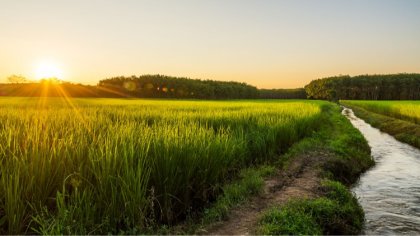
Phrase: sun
(48,70)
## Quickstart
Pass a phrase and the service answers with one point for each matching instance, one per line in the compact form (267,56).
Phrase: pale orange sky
(269,44)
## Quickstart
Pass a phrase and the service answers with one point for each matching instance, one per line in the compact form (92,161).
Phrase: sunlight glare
(46,70)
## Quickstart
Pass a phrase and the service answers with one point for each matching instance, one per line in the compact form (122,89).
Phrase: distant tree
(298,93)
(369,87)
(160,86)
(52,80)
(17,79)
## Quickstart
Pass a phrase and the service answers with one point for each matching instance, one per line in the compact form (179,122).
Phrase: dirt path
(301,180)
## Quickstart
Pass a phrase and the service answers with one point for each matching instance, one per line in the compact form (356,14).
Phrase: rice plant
(96,166)
(405,110)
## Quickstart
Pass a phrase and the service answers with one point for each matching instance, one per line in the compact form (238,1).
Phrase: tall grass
(405,110)
(95,166)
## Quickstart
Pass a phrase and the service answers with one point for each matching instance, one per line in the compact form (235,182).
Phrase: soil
(300,180)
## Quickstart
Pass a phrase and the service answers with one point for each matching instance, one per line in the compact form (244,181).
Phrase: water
(389,192)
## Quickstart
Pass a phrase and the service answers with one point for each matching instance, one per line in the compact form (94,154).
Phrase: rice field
(405,110)
(98,166)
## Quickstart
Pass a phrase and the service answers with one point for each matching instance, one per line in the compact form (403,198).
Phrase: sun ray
(45,87)
(64,95)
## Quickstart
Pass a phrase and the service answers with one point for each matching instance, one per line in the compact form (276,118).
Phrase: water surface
(389,192)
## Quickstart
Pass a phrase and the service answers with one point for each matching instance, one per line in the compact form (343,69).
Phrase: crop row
(103,165)
(405,110)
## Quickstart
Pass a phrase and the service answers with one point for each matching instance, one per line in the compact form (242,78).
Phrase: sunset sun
(47,70)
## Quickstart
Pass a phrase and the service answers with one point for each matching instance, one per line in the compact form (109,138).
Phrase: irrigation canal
(389,192)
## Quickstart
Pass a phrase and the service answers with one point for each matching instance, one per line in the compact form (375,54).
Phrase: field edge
(337,169)
(402,130)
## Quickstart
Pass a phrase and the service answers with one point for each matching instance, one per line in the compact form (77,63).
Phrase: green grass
(97,166)
(398,118)
(251,182)
(342,155)
(338,212)
(404,110)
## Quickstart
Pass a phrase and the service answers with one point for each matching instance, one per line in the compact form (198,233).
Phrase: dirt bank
(338,152)
(301,180)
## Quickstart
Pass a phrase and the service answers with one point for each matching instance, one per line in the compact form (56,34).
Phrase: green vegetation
(398,118)
(298,93)
(251,182)
(404,110)
(160,86)
(52,88)
(338,212)
(248,183)
(342,155)
(340,148)
(79,166)
(145,86)
(366,87)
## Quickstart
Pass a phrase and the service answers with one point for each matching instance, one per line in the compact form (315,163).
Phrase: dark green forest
(172,87)
(145,86)
(298,93)
(366,87)
(160,86)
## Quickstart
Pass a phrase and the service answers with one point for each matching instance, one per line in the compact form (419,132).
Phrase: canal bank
(389,192)
(334,157)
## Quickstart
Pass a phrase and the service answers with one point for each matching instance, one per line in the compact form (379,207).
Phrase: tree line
(145,86)
(366,87)
(50,88)
(298,93)
(161,86)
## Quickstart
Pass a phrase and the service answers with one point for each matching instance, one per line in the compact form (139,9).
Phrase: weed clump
(337,212)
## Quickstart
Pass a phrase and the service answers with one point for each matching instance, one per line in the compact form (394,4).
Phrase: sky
(266,43)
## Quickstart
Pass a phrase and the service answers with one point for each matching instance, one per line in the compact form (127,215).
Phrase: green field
(401,119)
(103,165)
(405,110)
